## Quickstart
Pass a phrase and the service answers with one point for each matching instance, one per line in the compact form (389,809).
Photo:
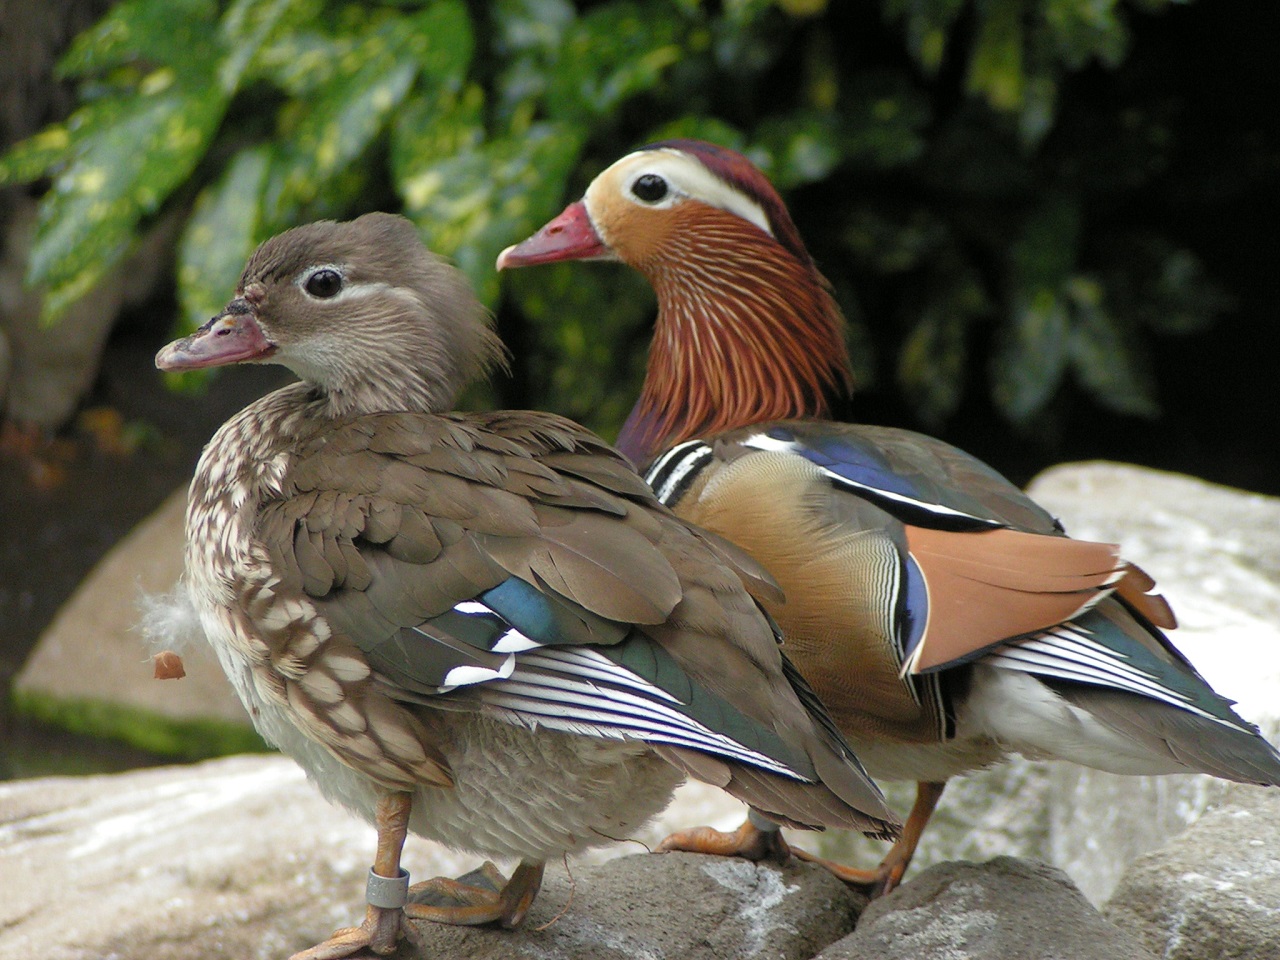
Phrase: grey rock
(1214,891)
(241,859)
(95,648)
(678,905)
(1216,555)
(1007,909)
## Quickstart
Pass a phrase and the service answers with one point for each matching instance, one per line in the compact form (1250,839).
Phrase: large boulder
(241,859)
(1213,891)
(1006,909)
(95,650)
(675,906)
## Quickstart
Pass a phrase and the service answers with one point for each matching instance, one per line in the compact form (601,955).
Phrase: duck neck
(745,333)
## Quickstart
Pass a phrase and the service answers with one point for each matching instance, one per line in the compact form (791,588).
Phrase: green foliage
(931,151)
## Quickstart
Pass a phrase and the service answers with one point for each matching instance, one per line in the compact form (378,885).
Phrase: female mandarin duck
(479,627)
(944,618)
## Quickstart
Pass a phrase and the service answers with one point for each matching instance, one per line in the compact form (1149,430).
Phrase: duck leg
(889,873)
(759,839)
(482,896)
(384,920)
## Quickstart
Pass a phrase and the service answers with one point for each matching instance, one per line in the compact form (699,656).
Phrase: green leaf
(471,206)
(176,34)
(222,232)
(1045,253)
(300,62)
(612,53)
(1104,360)
(32,158)
(1031,356)
(931,366)
(123,170)
(526,26)
(801,146)
(246,28)
(584,348)
(444,42)
(883,121)
(891,240)
(1154,284)
(934,360)
(995,68)
(928,22)
(695,127)
(1081,30)
(433,127)
(341,119)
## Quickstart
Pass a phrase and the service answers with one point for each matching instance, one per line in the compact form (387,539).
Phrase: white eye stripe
(350,290)
(686,178)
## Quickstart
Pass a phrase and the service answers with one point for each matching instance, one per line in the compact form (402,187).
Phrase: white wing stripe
(530,703)
(761,441)
(592,665)
(1069,654)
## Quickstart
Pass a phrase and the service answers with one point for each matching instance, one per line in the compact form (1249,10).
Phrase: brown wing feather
(431,511)
(1136,586)
(987,586)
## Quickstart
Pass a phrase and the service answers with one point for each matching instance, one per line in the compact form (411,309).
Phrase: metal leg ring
(392,893)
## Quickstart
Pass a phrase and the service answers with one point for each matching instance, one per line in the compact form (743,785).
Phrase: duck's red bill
(228,338)
(569,236)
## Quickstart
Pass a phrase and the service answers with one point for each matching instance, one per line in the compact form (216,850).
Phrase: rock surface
(1003,910)
(240,858)
(668,906)
(95,648)
(1213,891)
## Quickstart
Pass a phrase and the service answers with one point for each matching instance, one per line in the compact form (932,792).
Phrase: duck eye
(649,187)
(324,284)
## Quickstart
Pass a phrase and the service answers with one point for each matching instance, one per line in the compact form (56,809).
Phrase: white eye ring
(323,282)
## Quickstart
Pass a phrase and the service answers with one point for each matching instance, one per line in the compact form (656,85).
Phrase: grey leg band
(391,893)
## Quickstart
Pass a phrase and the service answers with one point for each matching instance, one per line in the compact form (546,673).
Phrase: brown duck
(944,618)
(482,628)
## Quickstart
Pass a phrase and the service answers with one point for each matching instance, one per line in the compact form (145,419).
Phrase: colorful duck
(943,617)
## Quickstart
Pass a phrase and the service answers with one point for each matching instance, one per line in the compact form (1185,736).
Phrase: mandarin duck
(942,616)
(482,628)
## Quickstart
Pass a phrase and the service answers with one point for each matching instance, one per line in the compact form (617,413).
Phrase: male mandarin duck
(944,618)
(479,627)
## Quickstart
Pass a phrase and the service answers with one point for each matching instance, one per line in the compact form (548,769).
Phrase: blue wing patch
(863,469)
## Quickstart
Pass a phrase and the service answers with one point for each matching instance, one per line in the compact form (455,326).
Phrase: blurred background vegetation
(1021,202)
(1050,222)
